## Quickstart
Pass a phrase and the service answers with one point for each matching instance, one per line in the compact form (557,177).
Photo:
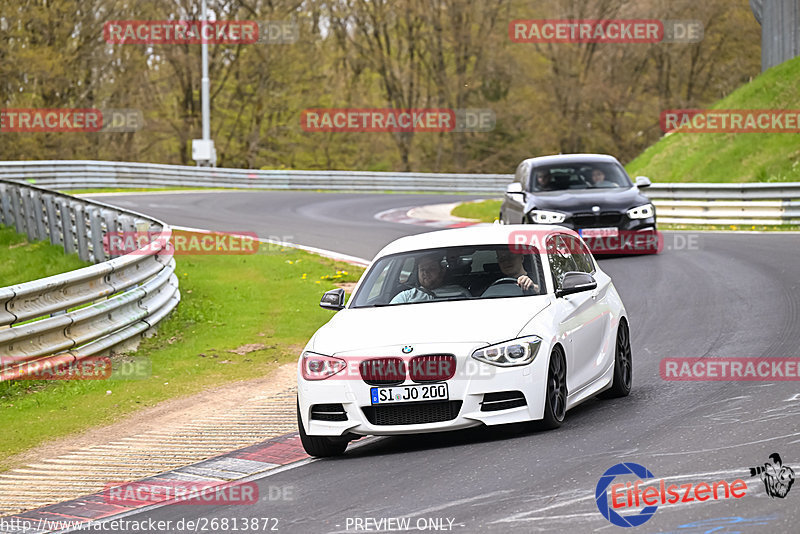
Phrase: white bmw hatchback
(487,325)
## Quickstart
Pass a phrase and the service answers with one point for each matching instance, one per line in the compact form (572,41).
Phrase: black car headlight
(512,353)
(642,212)
(547,217)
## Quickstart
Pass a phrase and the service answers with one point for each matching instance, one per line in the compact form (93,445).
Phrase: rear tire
(555,402)
(319,446)
(623,365)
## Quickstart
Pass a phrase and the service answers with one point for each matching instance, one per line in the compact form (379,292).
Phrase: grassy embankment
(269,300)
(722,157)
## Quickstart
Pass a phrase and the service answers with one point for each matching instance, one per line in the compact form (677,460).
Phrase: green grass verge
(23,261)
(731,227)
(744,157)
(166,189)
(269,298)
(484,210)
(91,190)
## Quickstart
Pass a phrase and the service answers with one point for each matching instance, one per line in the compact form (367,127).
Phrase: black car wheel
(623,365)
(555,406)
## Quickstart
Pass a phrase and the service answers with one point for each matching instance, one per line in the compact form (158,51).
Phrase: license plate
(599,232)
(416,393)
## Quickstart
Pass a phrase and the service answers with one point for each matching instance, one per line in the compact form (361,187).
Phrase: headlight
(547,217)
(319,367)
(641,212)
(510,353)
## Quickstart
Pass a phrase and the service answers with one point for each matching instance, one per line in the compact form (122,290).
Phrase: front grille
(603,220)
(328,412)
(412,414)
(383,371)
(503,400)
(432,367)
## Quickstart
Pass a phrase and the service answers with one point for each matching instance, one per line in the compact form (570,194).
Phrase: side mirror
(643,181)
(333,299)
(576,282)
(514,188)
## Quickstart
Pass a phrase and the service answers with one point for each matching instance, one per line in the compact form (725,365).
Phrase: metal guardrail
(723,204)
(65,318)
(66,175)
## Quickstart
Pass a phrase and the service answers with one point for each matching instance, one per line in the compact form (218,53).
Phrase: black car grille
(383,371)
(432,367)
(412,414)
(602,220)
(328,412)
(504,400)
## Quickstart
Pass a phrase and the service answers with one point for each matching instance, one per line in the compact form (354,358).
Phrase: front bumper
(472,381)
(635,236)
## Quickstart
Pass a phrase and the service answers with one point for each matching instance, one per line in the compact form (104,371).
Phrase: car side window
(406,270)
(560,258)
(581,255)
(378,287)
(521,175)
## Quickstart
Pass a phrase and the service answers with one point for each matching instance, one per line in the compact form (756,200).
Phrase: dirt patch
(250,347)
(347,286)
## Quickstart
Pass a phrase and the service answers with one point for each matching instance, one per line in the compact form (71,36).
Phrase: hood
(472,321)
(580,200)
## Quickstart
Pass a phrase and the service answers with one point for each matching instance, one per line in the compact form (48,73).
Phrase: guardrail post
(28,215)
(96,234)
(67,233)
(110,219)
(5,205)
(17,211)
(39,215)
(81,230)
(53,228)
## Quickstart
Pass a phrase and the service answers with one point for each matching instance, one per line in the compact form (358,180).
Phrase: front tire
(555,403)
(623,365)
(319,446)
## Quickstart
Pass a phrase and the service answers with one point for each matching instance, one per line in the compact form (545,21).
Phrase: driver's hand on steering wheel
(526,283)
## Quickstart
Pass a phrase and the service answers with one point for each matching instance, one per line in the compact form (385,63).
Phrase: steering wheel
(504,281)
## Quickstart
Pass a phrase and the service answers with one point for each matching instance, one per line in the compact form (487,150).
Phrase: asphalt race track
(706,295)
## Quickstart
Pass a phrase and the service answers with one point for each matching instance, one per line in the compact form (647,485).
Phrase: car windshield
(453,273)
(579,176)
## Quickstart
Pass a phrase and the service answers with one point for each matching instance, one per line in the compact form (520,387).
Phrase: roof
(572,158)
(488,234)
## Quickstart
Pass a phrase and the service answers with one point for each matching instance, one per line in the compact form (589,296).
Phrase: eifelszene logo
(777,478)
(626,496)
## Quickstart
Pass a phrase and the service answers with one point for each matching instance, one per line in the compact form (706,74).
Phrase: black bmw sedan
(590,193)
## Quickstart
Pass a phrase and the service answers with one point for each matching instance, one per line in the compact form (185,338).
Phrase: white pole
(204,81)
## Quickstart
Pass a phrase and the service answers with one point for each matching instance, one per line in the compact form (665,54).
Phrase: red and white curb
(432,216)
(248,462)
